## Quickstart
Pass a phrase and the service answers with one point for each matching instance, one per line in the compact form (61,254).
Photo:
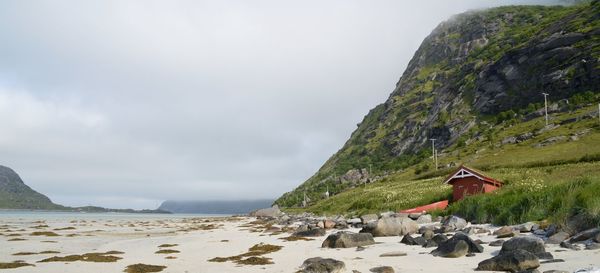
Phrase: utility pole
(546,106)
(433,152)
(436,160)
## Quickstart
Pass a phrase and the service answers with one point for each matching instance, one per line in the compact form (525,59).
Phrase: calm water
(26,215)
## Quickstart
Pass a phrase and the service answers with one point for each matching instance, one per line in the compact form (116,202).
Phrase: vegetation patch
(15,264)
(167,251)
(144,268)
(65,228)
(252,257)
(295,238)
(170,257)
(44,233)
(105,257)
(40,226)
(531,201)
(16,239)
(168,245)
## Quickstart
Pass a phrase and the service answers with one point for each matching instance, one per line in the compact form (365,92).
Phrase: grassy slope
(521,166)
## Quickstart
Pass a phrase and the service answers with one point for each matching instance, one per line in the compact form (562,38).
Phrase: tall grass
(520,203)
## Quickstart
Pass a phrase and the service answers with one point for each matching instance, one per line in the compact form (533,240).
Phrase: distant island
(215,207)
(15,194)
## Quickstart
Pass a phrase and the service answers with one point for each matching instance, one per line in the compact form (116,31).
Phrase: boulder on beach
(585,235)
(515,261)
(558,238)
(367,218)
(321,265)
(413,241)
(391,226)
(453,223)
(449,246)
(315,232)
(267,212)
(531,244)
(505,232)
(345,239)
(453,249)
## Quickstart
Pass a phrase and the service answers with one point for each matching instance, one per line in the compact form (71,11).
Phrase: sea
(7,216)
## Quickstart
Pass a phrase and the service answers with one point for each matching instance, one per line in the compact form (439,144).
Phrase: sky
(124,104)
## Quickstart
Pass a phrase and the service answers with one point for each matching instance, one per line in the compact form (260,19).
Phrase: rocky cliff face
(14,194)
(475,68)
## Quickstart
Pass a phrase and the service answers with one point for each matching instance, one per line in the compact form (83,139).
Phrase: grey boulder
(345,239)
(514,261)
(530,244)
(320,265)
(391,226)
(453,223)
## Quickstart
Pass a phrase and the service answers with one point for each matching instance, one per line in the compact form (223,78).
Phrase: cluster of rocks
(522,246)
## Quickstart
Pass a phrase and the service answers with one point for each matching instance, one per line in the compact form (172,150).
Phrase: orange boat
(442,205)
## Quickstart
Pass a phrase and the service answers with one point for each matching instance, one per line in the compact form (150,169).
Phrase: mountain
(476,75)
(215,207)
(14,194)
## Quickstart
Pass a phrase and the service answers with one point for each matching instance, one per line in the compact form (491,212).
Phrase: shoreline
(196,240)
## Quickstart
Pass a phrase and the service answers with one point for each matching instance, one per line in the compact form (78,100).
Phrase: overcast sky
(128,103)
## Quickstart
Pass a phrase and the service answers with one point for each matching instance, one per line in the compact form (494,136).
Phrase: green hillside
(14,194)
(475,86)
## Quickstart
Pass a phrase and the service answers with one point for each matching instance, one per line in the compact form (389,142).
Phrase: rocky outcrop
(267,212)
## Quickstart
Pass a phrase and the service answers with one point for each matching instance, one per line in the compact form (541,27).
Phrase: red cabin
(466,181)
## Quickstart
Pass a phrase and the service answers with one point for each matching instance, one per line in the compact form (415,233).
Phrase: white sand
(141,241)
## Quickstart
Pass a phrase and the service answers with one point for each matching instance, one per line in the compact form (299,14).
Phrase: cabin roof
(464,171)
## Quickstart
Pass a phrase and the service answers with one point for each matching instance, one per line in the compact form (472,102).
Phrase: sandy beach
(195,241)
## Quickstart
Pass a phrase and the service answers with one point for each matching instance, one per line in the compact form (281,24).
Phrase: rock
(369,218)
(454,249)
(553,261)
(531,244)
(414,216)
(430,243)
(393,254)
(341,225)
(585,235)
(473,246)
(354,221)
(497,243)
(514,261)
(597,238)
(428,234)
(439,238)
(505,232)
(345,239)
(568,245)
(556,271)
(423,229)
(392,226)
(588,270)
(413,241)
(453,223)
(468,231)
(382,269)
(320,265)
(525,227)
(268,212)
(592,246)
(329,224)
(557,238)
(424,219)
(321,224)
(315,232)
